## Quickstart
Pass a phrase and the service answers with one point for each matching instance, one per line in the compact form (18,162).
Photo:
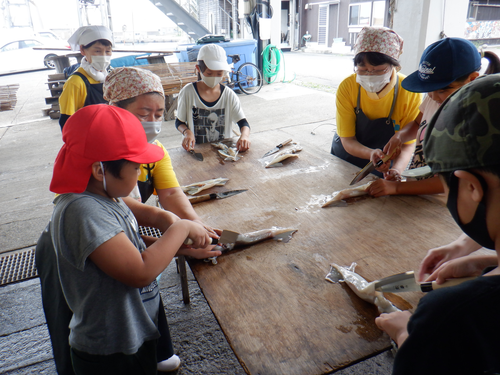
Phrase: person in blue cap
(454,330)
(445,66)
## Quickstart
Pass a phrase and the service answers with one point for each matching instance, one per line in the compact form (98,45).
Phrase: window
(10,47)
(472,12)
(367,14)
(378,14)
(360,14)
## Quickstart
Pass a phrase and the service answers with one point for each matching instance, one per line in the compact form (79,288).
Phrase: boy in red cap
(107,274)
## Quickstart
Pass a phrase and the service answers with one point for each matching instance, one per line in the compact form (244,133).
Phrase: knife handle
(451,282)
(201,198)
(189,241)
(284,143)
(386,158)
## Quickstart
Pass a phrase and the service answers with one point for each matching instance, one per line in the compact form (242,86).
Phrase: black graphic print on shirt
(208,124)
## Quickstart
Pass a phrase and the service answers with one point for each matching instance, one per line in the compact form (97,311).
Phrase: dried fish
(229,153)
(360,286)
(337,197)
(199,186)
(278,158)
(244,239)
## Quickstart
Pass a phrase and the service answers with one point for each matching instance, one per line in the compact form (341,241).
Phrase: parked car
(19,55)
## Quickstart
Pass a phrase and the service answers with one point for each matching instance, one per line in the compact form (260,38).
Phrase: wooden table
(271,300)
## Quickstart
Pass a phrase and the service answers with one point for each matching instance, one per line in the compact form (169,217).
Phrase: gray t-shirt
(108,316)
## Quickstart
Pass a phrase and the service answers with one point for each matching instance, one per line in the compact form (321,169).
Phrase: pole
(110,21)
(235,15)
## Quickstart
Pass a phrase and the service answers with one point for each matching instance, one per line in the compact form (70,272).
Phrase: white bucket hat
(88,34)
(214,57)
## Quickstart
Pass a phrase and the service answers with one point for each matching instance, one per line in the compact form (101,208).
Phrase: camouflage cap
(465,132)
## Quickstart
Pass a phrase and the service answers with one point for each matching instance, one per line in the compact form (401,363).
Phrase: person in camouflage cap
(455,330)
(465,131)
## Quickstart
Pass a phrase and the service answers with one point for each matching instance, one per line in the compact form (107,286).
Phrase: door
(323,25)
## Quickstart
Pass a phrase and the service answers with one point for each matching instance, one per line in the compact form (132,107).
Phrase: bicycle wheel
(249,78)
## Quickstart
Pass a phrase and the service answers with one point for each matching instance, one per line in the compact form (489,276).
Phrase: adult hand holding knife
(370,167)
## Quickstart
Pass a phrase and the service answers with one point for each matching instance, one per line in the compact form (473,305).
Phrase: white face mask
(100,63)
(210,81)
(103,177)
(374,83)
(152,129)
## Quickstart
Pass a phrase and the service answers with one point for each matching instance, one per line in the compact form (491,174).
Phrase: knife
(406,282)
(207,197)
(227,236)
(370,167)
(277,148)
(197,155)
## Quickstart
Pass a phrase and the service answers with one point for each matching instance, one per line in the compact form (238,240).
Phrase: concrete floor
(28,146)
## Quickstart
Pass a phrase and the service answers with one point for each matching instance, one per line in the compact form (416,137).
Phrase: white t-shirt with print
(209,124)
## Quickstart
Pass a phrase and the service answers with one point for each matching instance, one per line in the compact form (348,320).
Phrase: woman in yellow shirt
(372,105)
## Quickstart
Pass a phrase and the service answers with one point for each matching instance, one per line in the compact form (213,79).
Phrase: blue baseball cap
(442,63)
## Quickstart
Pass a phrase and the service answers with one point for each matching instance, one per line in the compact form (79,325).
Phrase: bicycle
(248,77)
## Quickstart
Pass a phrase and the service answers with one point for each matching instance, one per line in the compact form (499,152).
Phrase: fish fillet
(199,186)
(229,153)
(360,286)
(340,195)
(290,153)
(250,238)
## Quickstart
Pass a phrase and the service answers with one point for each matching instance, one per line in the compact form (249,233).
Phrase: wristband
(185,130)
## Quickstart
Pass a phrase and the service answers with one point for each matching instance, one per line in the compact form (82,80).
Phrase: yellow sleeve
(163,173)
(73,95)
(346,103)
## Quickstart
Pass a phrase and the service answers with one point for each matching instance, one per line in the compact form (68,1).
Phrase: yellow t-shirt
(162,172)
(74,93)
(405,110)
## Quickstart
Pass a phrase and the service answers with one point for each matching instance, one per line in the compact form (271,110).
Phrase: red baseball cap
(98,133)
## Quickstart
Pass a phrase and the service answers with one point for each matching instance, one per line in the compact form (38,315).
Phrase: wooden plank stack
(174,76)
(8,97)
(55,84)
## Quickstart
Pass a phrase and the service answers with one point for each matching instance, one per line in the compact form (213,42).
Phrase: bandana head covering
(379,39)
(88,34)
(129,82)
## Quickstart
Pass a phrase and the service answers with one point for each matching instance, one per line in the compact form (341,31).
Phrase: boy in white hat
(198,102)
(84,87)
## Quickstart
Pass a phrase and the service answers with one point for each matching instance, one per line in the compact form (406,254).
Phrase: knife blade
(197,155)
(406,282)
(370,167)
(222,195)
(277,148)
(226,236)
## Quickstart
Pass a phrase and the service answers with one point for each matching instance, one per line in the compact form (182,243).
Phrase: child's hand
(435,258)
(188,140)
(199,235)
(382,187)
(207,252)
(392,175)
(394,324)
(466,266)
(212,232)
(243,144)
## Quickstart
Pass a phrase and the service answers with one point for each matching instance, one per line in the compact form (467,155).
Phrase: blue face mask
(477,228)
(152,129)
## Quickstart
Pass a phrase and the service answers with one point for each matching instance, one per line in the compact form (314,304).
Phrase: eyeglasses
(365,72)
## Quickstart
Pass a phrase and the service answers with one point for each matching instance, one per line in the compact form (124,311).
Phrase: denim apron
(94,91)
(370,133)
